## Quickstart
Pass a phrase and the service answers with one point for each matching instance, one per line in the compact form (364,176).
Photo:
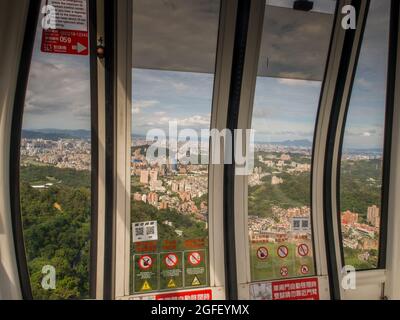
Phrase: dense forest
(56,225)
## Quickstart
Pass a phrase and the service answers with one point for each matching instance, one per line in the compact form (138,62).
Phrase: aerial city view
(169,199)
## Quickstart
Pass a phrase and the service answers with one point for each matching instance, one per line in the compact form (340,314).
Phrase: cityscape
(184,189)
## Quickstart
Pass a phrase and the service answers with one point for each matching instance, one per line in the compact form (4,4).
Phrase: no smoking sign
(171,260)
(194,258)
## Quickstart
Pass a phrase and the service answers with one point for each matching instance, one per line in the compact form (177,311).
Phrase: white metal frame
(368,283)
(393,243)
(123,137)
(322,124)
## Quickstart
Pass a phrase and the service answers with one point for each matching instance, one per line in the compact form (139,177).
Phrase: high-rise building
(144,177)
(374,216)
(153,175)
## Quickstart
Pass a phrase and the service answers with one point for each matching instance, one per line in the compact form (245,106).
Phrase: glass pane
(55,173)
(362,154)
(285,109)
(174,55)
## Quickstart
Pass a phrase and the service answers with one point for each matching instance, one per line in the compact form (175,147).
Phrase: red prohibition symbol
(145,262)
(303,250)
(262,253)
(194,258)
(171,260)
(305,269)
(284,271)
(283,252)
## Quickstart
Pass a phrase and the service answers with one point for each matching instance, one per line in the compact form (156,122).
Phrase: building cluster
(284,225)
(362,236)
(171,185)
(64,153)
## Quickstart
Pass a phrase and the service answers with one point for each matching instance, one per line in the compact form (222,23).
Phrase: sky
(58,93)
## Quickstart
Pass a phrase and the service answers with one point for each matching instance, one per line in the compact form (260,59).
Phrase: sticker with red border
(296,289)
(146,271)
(65,27)
(189,295)
(196,269)
(292,289)
(171,271)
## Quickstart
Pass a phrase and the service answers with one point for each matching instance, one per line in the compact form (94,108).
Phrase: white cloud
(137,106)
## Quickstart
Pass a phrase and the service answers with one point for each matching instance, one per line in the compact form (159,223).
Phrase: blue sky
(285,109)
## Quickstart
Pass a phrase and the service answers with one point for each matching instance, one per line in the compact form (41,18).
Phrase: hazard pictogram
(146,286)
(171,284)
(196,282)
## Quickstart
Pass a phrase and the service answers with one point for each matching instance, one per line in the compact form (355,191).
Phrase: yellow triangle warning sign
(196,282)
(146,286)
(171,284)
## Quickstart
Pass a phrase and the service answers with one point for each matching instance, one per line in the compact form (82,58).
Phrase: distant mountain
(55,134)
(292,143)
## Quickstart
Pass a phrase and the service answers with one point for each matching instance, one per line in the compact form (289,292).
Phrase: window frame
(33,16)
(123,106)
(245,120)
(387,142)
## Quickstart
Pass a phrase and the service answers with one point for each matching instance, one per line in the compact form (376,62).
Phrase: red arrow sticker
(65,42)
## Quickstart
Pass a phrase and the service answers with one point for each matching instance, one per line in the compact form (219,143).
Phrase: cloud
(138,106)
(56,87)
(299,83)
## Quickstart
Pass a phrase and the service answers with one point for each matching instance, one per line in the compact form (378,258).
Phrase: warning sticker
(190,295)
(301,289)
(145,273)
(171,271)
(144,231)
(65,27)
(196,273)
